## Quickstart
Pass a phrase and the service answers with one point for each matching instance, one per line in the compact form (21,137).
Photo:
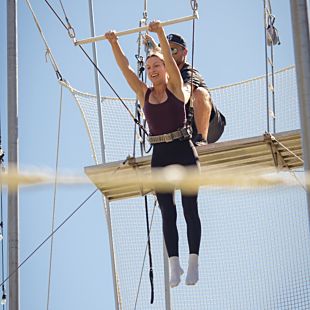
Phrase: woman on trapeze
(164,108)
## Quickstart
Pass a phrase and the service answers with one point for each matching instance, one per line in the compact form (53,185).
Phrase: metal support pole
(103,159)
(166,277)
(96,73)
(269,62)
(13,216)
(300,24)
(267,71)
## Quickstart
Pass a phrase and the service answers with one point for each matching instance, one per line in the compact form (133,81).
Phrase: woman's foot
(192,276)
(175,271)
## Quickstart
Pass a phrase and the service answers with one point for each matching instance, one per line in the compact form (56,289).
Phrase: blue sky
(229,47)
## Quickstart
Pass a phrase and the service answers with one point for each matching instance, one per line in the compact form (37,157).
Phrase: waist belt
(180,134)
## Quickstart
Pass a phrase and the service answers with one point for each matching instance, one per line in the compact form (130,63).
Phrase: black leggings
(182,153)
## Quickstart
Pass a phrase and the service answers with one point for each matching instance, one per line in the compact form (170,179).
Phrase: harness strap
(190,114)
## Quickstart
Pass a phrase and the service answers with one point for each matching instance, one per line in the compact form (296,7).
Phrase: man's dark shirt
(188,74)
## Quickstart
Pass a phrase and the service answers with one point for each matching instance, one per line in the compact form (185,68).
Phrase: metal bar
(96,73)
(266,67)
(106,203)
(13,195)
(138,29)
(300,24)
(166,278)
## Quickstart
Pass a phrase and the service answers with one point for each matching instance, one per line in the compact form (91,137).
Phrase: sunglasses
(174,50)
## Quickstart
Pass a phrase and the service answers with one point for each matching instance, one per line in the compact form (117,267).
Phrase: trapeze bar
(138,29)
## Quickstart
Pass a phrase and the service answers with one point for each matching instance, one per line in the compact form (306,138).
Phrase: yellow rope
(163,179)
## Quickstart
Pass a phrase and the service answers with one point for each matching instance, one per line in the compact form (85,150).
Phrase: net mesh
(255,249)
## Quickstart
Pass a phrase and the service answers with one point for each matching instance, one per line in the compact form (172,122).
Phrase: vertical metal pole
(266,65)
(100,121)
(13,216)
(300,24)
(166,277)
(269,59)
(103,159)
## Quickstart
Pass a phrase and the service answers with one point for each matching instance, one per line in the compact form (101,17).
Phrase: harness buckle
(186,132)
(168,137)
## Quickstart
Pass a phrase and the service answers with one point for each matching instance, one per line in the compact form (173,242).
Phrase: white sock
(192,276)
(175,271)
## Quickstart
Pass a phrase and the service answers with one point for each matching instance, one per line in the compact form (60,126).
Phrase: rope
(48,50)
(54,200)
(112,88)
(281,144)
(188,180)
(71,31)
(299,182)
(48,237)
(99,71)
(148,231)
(140,71)
(161,179)
(141,135)
(194,6)
(292,173)
(144,258)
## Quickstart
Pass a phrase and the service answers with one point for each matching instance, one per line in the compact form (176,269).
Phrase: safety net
(255,249)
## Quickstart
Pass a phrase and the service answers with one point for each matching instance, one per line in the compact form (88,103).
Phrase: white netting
(255,250)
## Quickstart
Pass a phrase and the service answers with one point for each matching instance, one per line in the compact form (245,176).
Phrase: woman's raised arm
(175,78)
(134,82)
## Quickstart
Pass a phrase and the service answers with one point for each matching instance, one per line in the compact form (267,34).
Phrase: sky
(229,47)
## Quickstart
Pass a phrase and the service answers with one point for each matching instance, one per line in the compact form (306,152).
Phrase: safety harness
(184,133)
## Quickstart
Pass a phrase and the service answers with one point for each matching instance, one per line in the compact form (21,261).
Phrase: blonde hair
(155,53)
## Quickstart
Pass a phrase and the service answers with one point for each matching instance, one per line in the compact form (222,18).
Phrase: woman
(164,109)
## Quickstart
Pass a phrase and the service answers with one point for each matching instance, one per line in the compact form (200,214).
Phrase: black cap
(176,38)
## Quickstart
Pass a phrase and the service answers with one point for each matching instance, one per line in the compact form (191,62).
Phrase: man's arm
(191,76)
(150,43)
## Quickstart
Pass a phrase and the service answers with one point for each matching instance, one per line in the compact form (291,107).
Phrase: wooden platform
(264,153)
